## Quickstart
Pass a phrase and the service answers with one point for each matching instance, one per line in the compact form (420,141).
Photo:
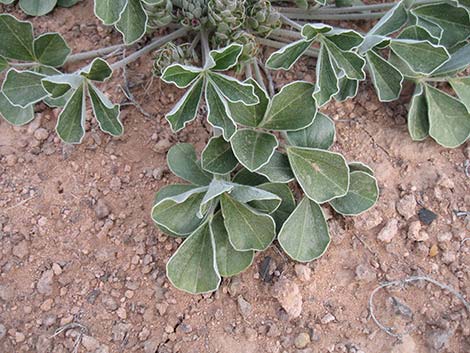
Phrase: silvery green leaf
(105,112)
(403,67)
(449,120)
(23,88)
(176,206)
(266,201)
(322,175)
(70,125)
(109,11)
(247,228)
(417,33)
(218,157)
(350,63)
(51,49)
(277,170)
(418,124)
(186,109)
(225,58)
(180,75)
(16,38)
(362,194)
(3,64)
(218,114)
(250,115)
(15,115)
(423,57)
(67,3)
(311,31)
(37,7)
(58,85)
(97,70)
(245,177)
(183,162)
(304,235)
(230,262)
(253,149)
(347,89)
(7,2)
(393,20)
(132,22)
(372,41)
(461,86)
(234,90)
(293,108)
(320,134)
(458,61)
(193,267)
(360,167)
(386,78)
(216,188)
(59,102)
(345,39)
(326,84)
(287,56)
(454,21)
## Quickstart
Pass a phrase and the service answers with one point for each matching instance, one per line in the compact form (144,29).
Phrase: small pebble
(302,340)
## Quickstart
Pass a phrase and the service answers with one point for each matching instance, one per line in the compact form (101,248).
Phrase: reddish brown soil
(109,275)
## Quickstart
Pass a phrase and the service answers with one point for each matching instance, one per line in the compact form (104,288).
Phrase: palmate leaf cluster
(39,7)
(239,200)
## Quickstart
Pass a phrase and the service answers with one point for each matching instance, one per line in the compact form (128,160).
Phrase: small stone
(244,307)
(19,337)
(433,251)
(438,339)
(169,329)
(273,330)
(101,209)
(449,257)
(235,286)
(109,303)
(185,328)
(6,293)
(444,237)
(56,269)
(303,272)
(289,296)
(3,331)
(21,250)
(302,340)
(157,173)
(365,273)
(413,230)
(406,206)
(327,319)
(389,231)
(446,182)
(47,305)
(44,285)
(144,334)
(162,146)
(91,344)
(121,312)
(41,134)
(11,160)
(426,216)
(115,184)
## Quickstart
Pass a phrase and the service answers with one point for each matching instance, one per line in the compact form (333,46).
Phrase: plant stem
(258,76)
(332,17)
(148,48)
(94,53)
(289,22)
(287,33)
(205,46)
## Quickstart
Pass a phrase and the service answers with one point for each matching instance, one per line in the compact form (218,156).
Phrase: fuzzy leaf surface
(218,114)
(320,134)
(183,162)
(105,112)
(186,109)
(218,157)
(51,49)
(15,115)
(109,11)
(37,7)
(278,169)
(16,38)
(418,123)
(70,125)
(132,22)
(234,90)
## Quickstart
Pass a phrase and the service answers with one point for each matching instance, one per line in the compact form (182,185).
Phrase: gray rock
(44,344)
(109,303)
(3,331)
(41,134)
(438,339)
(289,296)
(327,319)
(365,273)
(406,206)
(389,231)
(6,292)
(44,285)
(91,344)
(101,209)
(303,272)
(244,307)
(302,340)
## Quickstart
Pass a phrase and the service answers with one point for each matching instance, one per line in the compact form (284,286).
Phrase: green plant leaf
(320,134)
(23,88)
(183,162)
(3,64)
(250,115)
(304,235)
(247,228)
(417,33)
(217,157)
(193,267)
(293,108)
(360,167)
(350,63)
(345,39)
(245,177)
(454,21)
(70,125)
(393,20)
(225,58)
(347,89)
(109,11)
(234,90)
(37,7)
(423,57)
(322,175)
(458,61)
(15,115)
(180,75)
(362,194)
(176,209)
(265,201)
(461,86)
(105,112)
(386,78)
(58,85)
(312,31)
(51,49)
(97,70)
(216,188)
(449,120)
(230,262)
(67,3)
(132,21)
(418,124)
(186,109)
(16,38)
(218,114)
(253,149)
(326,84)
(277,170)
(287,56)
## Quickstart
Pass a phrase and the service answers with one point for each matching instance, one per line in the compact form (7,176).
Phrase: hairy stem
(258,76)
(291,23)
(332,17)
(205,46)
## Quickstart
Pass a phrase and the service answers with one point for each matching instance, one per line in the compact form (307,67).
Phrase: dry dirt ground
(79,253)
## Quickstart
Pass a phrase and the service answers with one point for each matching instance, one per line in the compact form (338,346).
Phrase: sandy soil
(79,250)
